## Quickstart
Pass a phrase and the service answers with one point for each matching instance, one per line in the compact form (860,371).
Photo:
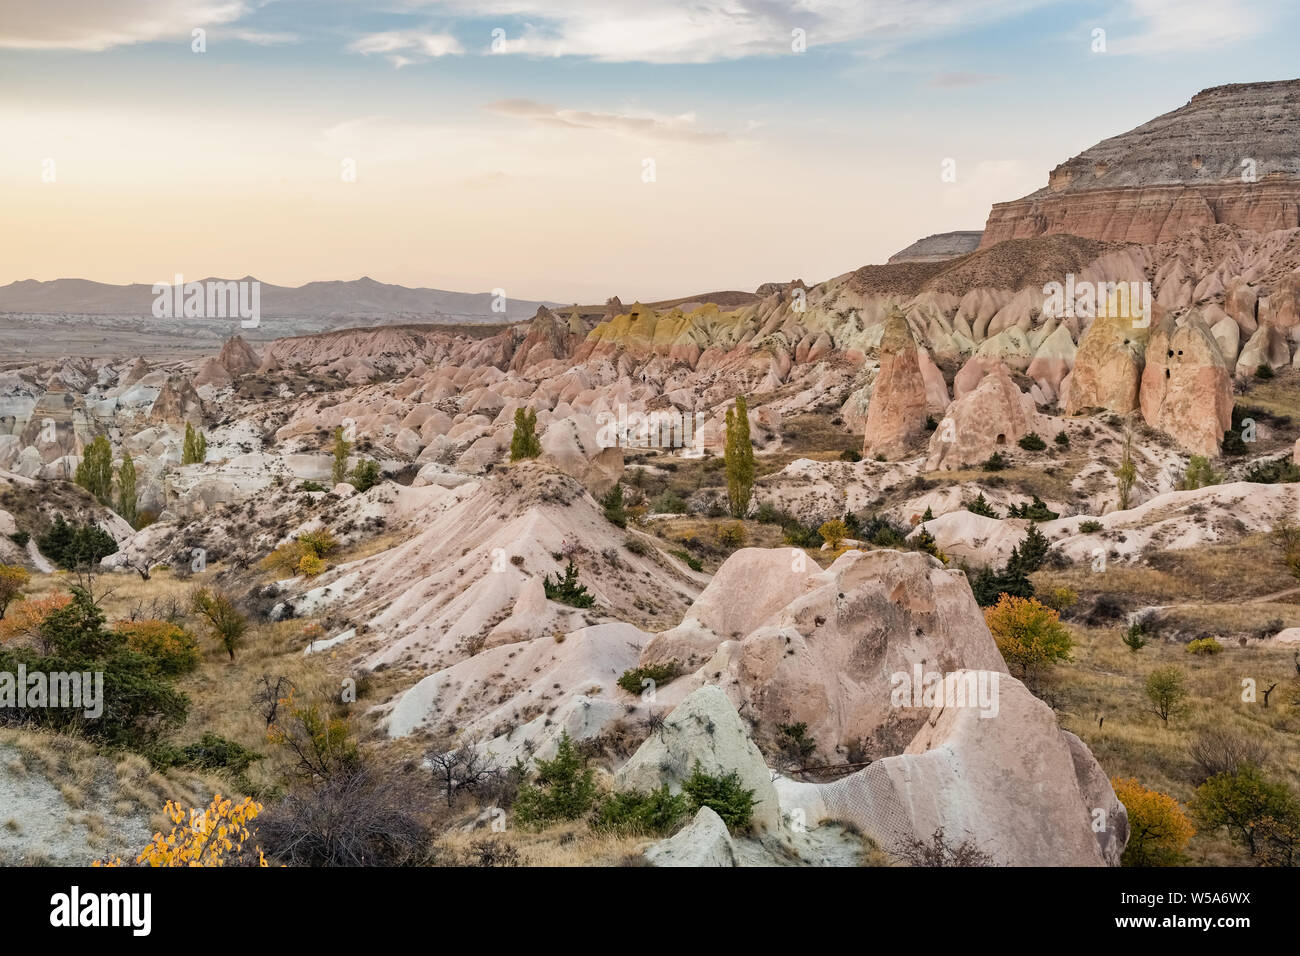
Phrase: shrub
(321,543)
(1061,599)
(690,561)
(20,538)
(794,741)
(668,503)
(365,475)
(207,837)
(565,788)
(1062,439)
(1264,372)
(1262,815)
(72,546)
(312,486)
(1158,828)
(850,455)
(524,443)
(1219,749)
(635,812)
(1089,527)
(1035,511)
(210,752)
(980,507)
(310,565)
(1166,688)
(833,532)
(1273,472)
(1199,474)
(1135,637)
(940,851)
(1205,646)
(1029,635)
(171,649)
(637,546)
(567,590)
(995,462)
(13,578)
(724,795)
(612,502)
(661,674)
(1032,442)
(731,536)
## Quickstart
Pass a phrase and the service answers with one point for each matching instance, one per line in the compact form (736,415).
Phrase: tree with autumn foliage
(216,836)
(24,619)
(1158,829)
(13,578)
(1029,635)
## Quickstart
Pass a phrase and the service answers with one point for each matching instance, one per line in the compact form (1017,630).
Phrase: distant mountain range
(358,297)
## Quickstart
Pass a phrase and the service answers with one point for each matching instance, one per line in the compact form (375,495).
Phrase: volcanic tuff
(1230,155)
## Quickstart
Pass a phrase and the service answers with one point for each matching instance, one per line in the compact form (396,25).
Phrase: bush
(1206,646)
(1219,749)
(524,442)
(227,624)
(565,789)
(637,546)
(850,455)
(1029,635)
(689,560)
(661,674)
(1199,474)
(1032,442)
(980,507)
(20,538)
(794,741)
(1135,637)
(567,590)
(1089,527)
(724,795)
(357,818)
(365,475)
(312,486)
(1274,472)
(731,536)
(636,812)
(1061,599)
(309,565)
(1035,511)
(612,502)
(1158,828)
(940,851)
(1062,439)
(1264,372)
(995,462)
(211,752)
(171,649)
(72,546)
(1262,815)
(833,532)
(13,578)
(668,503)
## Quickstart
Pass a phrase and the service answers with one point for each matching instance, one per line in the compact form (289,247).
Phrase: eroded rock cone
(993,417)
(177,403)
(1186,385)
(896,415)
(1107,366)
(237,357)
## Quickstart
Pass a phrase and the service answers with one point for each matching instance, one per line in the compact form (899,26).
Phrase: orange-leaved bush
(209,837)
(1158,828)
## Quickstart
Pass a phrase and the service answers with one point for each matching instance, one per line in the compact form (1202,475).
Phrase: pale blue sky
(524,168)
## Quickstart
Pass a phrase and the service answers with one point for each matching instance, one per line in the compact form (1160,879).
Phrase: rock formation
(940,247)
(1169,175)
(896,415)
(1107,367)
(1187,386)
(991,418)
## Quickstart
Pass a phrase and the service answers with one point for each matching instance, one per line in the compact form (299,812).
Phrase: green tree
(565,788)
(1166,689)
(612,502)
(195,449)
(1126,474)
(524,443)
(1199,474)
(1261,814)
(738,454)
(95,473)
(567,590)
(227,624)
(366,475)
(342,448)
(126,495)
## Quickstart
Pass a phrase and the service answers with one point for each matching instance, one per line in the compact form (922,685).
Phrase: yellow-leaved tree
(1158,828)
(214,836)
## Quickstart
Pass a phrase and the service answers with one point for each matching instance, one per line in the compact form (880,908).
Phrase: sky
(568,150)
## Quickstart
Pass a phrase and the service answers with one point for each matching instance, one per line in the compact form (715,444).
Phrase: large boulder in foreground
(703,842)
(992,769)
(896,415)
(1187,386)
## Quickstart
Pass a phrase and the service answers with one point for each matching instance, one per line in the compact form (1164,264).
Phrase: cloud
(403,47)
(95,25)
(676,128)
(966,79)
(1154,27)
(666,31)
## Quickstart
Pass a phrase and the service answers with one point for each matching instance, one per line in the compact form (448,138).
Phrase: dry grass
(567,844)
